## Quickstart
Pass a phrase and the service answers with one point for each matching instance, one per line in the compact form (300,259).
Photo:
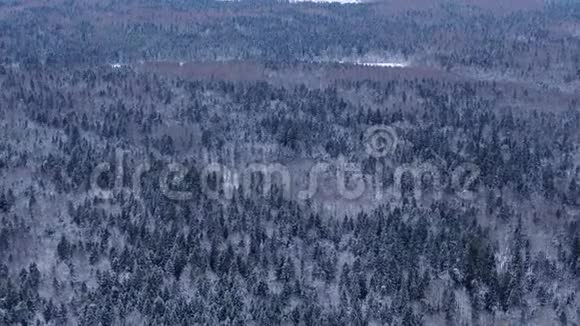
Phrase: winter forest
(264,162)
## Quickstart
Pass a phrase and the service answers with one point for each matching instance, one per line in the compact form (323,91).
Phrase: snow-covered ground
(387,64)
(384,64)
(379,59)
(330,1)
(317,1)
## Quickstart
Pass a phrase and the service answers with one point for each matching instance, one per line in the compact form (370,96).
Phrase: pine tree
(63,248)
(575,257)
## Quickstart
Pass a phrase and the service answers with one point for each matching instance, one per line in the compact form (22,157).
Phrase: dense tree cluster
(90,236)
(537,44)
(144,258)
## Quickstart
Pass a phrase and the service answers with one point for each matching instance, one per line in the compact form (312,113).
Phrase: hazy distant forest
(145,146)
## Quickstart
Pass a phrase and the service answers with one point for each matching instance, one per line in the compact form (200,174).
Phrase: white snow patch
(330,1)
(384,64)
(315,1)
(377,63)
